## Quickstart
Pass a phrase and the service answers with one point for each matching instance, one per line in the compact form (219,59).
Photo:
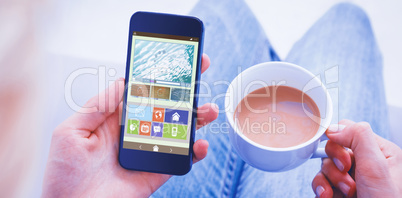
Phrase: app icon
(132,126)
(145,128)
(175,131)
(157,129)
(158,114)
(176,116)
(139,112)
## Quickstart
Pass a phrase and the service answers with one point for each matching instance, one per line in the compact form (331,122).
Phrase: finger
(346,122)
(200,149)
(96,110)
(206,114)
(343,181)
(352,168)
(337,193)
(321,186)
(205,62)
(359,137)
(339,156)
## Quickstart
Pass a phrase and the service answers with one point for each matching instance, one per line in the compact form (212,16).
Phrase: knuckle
(346,122)
(317,178)
(325,163)
(343,121)
(329,148)
(361,128)
(330,145)
(328,168)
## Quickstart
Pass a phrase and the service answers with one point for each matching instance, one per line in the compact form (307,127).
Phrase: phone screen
(160,93)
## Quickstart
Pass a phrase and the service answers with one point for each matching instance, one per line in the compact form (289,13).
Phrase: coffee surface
(278,116)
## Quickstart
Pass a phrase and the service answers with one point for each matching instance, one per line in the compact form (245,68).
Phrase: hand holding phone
(89,165)
(83,154)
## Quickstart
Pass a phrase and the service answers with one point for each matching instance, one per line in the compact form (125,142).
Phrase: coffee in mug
(276,151)
(278,116)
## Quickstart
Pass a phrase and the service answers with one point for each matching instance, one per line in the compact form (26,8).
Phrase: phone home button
(156,148)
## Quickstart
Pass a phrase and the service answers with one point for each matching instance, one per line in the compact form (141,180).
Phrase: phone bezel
(149,161)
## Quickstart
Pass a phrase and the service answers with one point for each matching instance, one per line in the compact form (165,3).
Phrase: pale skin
(83,154)
(371,167)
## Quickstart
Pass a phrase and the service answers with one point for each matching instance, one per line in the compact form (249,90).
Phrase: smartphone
(162,83)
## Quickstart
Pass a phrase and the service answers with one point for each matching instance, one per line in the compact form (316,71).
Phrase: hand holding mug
(372,167)
(258,153)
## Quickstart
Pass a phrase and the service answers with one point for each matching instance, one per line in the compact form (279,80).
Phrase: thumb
(359,137)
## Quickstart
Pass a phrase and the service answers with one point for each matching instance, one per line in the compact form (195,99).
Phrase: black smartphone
(162,83)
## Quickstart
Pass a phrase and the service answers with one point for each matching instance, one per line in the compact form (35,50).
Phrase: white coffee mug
(277,73)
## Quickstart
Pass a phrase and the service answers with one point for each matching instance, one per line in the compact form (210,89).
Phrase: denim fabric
(343,37)
(340,46)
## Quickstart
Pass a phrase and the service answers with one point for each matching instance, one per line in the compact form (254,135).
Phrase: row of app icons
(146,113)
(160,92)
(157,129)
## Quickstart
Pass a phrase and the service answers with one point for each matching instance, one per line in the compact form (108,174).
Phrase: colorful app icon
(145,128)
(133,126)
(157,129)
(176,116)
(139,112)
(175,131)
(158,114)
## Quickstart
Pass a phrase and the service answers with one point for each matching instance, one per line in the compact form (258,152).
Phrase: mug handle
(320,152)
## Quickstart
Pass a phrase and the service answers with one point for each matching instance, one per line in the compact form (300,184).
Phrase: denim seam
(233,174)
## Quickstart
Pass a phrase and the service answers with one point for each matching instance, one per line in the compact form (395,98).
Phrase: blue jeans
(340,47)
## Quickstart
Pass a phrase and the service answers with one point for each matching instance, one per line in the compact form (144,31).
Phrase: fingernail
(335,128)
(344,188)
(319,190)
(338,164)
